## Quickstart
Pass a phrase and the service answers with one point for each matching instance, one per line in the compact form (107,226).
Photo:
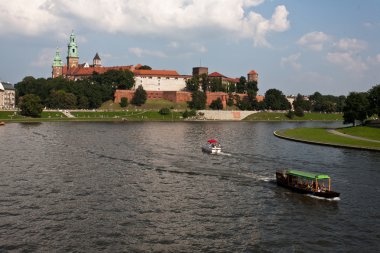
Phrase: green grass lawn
(308,116)
(362,131)
(321,135)
(126,115)
(13,115)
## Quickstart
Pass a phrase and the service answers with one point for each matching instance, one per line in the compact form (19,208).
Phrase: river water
(147,187)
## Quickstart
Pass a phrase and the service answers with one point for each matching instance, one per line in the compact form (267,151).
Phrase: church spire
(72,52)
(57,65)
(57,62)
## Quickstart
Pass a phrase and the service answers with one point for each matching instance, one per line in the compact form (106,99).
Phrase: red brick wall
(177,96)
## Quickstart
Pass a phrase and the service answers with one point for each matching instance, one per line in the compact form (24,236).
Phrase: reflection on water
(148,187)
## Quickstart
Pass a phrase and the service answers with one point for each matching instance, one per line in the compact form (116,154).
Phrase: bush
(290,114)
(187,113)
(299,112)
(164,111)
(124,102)
(140,96)
(216,104)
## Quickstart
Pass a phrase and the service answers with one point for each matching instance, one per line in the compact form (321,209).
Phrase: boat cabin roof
(306,174)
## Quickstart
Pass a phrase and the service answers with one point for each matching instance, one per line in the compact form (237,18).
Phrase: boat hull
(211,150)
(281,181)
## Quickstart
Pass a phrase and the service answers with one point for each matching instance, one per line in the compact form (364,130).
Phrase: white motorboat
(212,147)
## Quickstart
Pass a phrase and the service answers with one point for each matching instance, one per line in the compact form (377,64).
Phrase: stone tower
(57,67)
(72,53)
(97,62)
(252,76)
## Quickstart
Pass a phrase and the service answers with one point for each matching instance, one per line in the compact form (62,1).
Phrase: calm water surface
(147,187)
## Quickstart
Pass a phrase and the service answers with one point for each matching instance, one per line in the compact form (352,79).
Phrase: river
(147,187)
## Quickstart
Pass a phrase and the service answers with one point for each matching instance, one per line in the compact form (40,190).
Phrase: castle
(167,84)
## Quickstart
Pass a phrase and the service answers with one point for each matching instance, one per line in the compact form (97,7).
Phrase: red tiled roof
(252,72)
(80,71)
(216,74)
(232,80)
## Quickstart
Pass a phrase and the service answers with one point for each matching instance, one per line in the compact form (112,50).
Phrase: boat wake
(225,154)
(322,198)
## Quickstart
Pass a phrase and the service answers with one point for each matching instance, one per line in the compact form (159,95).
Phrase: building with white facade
(7,96)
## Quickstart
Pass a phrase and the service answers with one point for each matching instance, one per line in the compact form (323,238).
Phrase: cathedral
(72,69)
(151,80)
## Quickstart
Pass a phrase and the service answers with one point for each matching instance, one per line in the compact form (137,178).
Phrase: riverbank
(324,136)
(154,115)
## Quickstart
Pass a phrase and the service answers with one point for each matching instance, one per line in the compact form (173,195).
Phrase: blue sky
(330,46)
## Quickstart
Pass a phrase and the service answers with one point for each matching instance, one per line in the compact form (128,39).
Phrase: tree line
(89,93)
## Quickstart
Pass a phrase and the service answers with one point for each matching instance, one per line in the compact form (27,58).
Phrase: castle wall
(177,96)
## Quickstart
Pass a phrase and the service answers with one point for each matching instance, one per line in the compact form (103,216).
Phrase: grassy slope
(322,135)
(151,104)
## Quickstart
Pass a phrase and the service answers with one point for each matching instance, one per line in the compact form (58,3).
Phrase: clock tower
(57,65)
(72,53)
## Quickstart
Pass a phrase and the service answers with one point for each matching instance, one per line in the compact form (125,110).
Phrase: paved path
(68,114)
(351,136)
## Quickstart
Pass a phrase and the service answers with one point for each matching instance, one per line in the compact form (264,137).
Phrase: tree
(204,82)
(192,84)
(83,102)
(140,96)
(276,100)
(298,111)
(374,100)
(301,103)
(316,101)
(61,99)
(122,79)
(216,85)
(356,108)
(241,85)
(198,100)
(30,105)
(124,102)
(216,104)
(145,67)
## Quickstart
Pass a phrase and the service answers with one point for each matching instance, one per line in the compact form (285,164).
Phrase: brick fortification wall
(176,96)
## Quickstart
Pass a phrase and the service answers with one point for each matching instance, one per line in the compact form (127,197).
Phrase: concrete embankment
(225,115)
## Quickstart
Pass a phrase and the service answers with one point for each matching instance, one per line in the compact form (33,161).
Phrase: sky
(329,46)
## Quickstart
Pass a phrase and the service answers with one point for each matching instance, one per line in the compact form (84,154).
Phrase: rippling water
(147,187)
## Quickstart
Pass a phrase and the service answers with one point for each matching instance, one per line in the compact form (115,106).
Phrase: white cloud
(28,17)
(291,60)
(352,45)
(347,61)
(140,52)
(173,18)
(378,57)
(314,40)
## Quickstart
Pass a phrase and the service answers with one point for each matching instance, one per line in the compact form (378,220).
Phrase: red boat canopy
(212,141)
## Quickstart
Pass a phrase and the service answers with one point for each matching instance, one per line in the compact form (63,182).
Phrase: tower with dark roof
(97,62)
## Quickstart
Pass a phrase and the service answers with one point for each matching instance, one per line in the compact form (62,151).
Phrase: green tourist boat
(306,183)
